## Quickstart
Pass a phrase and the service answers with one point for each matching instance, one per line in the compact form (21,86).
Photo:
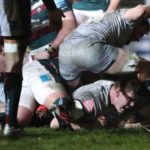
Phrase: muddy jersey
(94,98)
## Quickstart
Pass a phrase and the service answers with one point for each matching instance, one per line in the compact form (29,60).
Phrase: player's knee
(24,116)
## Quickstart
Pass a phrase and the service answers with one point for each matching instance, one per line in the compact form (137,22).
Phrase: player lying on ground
(15,29)
(43,34)
(41,83)
(103,103)
(97,47)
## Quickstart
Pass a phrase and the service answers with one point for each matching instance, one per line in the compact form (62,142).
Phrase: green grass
(104,139)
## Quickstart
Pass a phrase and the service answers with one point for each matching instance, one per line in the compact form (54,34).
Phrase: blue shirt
(91,5)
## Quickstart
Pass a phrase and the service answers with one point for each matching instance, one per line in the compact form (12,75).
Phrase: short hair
(145,22)
(130,82)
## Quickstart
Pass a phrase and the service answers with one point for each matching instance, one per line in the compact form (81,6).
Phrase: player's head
(128,92)
(139,30)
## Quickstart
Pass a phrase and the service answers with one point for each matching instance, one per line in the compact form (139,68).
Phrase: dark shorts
(15,18)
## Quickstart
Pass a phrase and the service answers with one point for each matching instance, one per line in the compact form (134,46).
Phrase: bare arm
(114,4)
(68,25)
(138,13)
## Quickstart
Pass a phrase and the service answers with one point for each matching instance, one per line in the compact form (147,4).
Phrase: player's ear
(117,91)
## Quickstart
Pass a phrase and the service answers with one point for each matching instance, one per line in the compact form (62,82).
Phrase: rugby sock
(12,88)
(2,118)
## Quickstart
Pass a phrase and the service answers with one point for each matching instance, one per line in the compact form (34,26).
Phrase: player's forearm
(114,4)
(138,13)
(68,25)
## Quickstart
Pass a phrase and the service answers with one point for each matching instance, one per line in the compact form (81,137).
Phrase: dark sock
(2,118)
(12,88)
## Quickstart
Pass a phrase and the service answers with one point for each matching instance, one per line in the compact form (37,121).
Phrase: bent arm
(68,25)
(138,13)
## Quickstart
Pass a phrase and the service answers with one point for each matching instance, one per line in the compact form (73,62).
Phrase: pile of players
(58,83)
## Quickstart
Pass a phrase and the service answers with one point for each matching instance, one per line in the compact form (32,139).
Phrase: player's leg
(27,105)
(49,92)
(130,62)
(15,29)
(125,62)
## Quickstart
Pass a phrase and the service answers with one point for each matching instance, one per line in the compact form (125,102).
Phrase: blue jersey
(64,5)
(42,32)
(91,5)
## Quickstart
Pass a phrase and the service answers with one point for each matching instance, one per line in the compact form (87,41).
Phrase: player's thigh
(41,81)
(26,106)
(124,63)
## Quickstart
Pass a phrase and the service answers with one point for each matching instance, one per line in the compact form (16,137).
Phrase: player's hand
(102,120)
(41,55)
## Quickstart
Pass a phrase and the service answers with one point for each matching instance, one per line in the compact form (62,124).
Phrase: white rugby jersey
(94,97)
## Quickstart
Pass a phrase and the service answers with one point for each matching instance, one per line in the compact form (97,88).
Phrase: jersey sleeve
(87,101)
(50,4)
(64,5)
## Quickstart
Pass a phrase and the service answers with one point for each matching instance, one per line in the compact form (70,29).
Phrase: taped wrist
(52,51)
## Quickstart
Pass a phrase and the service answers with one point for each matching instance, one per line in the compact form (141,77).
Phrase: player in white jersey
(15,29)
(43,35)
(41,84)
(97,47)
(101,99)
(104,102)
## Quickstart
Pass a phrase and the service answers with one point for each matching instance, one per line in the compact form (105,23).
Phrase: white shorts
(38,83)
(83,16)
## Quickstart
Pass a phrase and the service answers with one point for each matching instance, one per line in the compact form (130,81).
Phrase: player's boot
(11,131)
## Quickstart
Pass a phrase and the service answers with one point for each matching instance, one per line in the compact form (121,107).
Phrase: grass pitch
(103,139)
